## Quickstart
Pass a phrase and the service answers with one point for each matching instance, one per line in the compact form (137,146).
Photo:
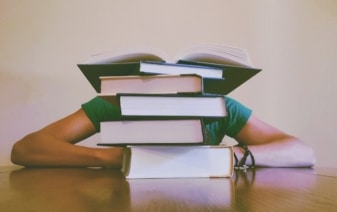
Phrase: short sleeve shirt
(98,110)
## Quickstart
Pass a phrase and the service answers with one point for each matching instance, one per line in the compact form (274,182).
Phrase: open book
(234,63)
(162,131)
(210,53)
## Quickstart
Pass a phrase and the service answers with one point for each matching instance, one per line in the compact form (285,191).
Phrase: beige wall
(293,41)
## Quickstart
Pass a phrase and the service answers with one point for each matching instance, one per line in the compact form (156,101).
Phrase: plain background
(295,42)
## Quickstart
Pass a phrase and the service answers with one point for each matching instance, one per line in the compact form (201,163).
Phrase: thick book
(168,105)
(127,62)
(154,67)
(140,132)
(161,84)
(177,161)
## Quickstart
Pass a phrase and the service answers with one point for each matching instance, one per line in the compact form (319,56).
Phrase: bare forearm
(38,149)
(287,152)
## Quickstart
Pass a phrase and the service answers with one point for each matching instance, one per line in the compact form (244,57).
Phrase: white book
(153,67)
(180,131)
(169,105)
(160,84)
(177,161)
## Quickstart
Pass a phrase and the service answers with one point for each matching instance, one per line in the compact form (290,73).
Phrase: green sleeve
(98,109)
(237,116)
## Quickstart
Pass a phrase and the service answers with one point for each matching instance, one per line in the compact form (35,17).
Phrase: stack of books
(163,105)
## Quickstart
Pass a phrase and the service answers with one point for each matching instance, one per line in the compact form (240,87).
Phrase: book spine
(176,162)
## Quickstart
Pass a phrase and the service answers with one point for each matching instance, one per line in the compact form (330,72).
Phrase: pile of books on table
(163,107)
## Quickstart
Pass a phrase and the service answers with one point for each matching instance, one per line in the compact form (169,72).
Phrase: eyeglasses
(241,164)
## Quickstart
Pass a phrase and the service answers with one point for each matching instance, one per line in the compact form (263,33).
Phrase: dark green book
(234,76)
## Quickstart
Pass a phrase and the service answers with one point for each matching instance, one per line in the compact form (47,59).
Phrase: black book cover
(233,77)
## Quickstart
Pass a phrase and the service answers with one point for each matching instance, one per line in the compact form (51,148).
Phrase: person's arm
(272,147)
(54,146)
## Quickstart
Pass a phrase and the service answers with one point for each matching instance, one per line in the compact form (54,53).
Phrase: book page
(212,53)
(127,55)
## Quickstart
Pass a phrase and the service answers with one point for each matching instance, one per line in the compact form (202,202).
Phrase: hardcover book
(169,105)
(177,161)
(138,132)
(153,67)
(160,84)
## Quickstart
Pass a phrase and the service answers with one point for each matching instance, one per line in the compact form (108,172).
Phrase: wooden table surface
(84,189)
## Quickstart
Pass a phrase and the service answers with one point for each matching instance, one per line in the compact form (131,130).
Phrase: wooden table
(82,189)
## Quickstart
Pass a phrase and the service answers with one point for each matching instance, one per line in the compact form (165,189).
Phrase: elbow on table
(299,154)
(303,156)
(20,152)
(311,158)
(17,154)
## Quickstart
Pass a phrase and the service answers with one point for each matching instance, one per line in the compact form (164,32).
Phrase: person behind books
(54,145)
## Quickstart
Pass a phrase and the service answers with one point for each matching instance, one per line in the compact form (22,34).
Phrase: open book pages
(125,55)
(214,53)
(211,53)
